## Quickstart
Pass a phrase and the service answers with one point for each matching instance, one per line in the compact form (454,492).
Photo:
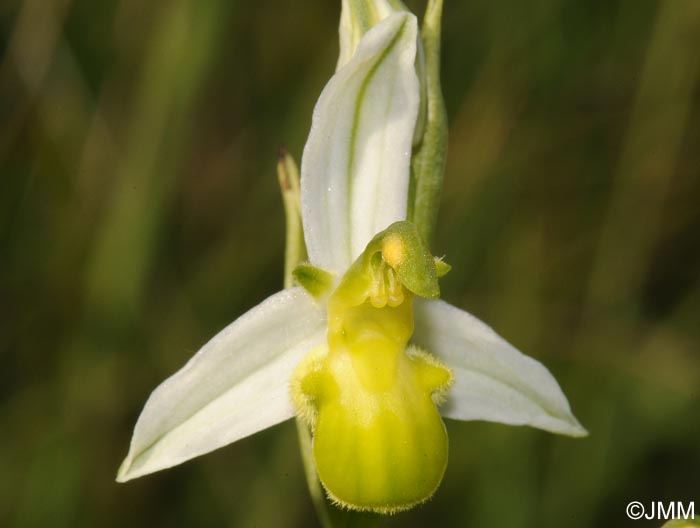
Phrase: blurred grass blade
(145,177)
(646,168)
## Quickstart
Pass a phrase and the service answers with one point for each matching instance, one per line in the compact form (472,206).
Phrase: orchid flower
(362,350)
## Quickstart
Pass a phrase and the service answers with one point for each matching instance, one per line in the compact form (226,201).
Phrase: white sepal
(493,380)
(355,168)
(236,385)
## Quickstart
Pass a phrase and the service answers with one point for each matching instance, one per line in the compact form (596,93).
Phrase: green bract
(365,345)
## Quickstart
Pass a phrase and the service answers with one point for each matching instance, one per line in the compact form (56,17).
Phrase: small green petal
(314,280)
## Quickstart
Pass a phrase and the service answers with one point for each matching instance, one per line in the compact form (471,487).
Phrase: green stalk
(315,489)
(429,155)
(295,249)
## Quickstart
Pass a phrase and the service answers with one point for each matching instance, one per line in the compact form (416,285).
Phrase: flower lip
(379,442)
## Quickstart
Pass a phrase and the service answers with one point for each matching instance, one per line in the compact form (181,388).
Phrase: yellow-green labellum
(371,400)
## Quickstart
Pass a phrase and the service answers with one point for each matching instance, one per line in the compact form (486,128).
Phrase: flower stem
(428,160)
(315,490)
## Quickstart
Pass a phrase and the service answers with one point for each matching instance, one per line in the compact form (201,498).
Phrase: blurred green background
(139,214)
